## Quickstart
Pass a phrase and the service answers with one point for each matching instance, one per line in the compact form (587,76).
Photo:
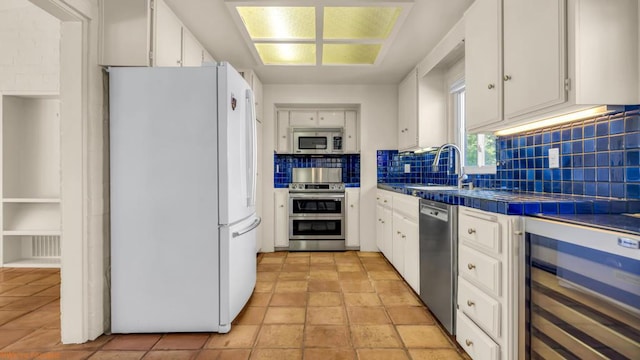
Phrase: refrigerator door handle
(253,225)
(252,154)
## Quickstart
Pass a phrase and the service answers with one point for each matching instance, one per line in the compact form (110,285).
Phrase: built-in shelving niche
(30,192)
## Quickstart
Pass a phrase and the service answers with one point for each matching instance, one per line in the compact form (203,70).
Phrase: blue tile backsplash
(282,165)
(598,157)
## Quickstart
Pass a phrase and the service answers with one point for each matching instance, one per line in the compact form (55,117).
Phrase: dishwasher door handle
(435,213)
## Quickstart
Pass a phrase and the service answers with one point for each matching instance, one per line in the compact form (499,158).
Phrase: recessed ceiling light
(279,23)
(359,23)
(350,54)
(346,35)
(287,54)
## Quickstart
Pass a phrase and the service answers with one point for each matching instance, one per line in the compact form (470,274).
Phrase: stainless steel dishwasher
(439,260)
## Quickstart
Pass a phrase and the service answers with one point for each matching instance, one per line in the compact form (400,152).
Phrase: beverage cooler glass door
(583,291)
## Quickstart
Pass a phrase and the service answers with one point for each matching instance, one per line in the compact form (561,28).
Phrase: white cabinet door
(331,119)
(351,132)
(398,245)
(282,133)
(281,227)
(168,37)
(534,55)
(353,217)
(474,341)
(387,231)
(412,255)
(299,118)
(408,111)
(192,53)
(380,228)
(483,58)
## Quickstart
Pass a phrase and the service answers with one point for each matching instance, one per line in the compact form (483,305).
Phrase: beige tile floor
(343,305)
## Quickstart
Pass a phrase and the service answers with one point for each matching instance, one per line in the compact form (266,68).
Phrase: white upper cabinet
(408,112)
(312,119)
(534,55)
(283,143)
(527,60)
(146,33)
(168,37)
(483,62)
(421,111)
(192,52)
(351,144)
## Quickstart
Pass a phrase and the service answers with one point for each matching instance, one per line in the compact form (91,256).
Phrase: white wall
(29,48)
(378,129)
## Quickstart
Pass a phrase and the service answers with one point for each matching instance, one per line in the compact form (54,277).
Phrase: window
(478,150)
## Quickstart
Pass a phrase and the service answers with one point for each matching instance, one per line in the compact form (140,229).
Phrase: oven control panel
(316,187)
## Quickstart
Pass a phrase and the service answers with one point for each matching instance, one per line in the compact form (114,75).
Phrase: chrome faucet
(459,170)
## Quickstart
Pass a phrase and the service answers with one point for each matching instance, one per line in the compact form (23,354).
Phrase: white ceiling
(428,21)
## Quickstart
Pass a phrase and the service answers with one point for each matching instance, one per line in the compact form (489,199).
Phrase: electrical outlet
(554,158)
(407,168)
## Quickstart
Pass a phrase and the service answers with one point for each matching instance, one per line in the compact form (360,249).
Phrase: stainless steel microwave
(317,141)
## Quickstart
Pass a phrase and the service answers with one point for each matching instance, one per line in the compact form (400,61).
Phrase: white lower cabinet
(474,341)
(488,265)
(352,240)
(281,215)
(398,235)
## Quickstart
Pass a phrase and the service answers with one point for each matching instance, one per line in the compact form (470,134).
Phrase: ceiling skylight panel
(286,54)
(350,54)
(359,23)
(279,23)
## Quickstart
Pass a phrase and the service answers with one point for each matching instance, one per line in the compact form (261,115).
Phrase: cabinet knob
(349,136)
(398,232)
(406,129)
(284,136)
(377,197)
(490,86)
(471,231)
(404,236)
(311,118)
(507,77)
(281,205)
(322,118)
(385,201)
(383,221)
(470,266)
(470,303)
(468,342)
(401,131)
(351,205)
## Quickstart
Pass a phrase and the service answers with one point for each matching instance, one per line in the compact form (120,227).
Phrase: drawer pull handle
(471,231)
(468,342)
(470,303)
(470,266)
(490,86)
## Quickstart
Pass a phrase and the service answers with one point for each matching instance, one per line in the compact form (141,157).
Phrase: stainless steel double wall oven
(316,210)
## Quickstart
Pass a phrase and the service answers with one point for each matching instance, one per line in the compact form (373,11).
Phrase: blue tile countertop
(521,203)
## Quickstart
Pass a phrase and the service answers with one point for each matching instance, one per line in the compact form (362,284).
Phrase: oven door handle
(316,196)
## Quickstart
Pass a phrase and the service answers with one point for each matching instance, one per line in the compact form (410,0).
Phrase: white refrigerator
(183,190)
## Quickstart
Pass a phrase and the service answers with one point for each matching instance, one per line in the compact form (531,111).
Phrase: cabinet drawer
(483,233)
(406,205)
(384,198)
(480,307)
(474,341)
(479,269)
